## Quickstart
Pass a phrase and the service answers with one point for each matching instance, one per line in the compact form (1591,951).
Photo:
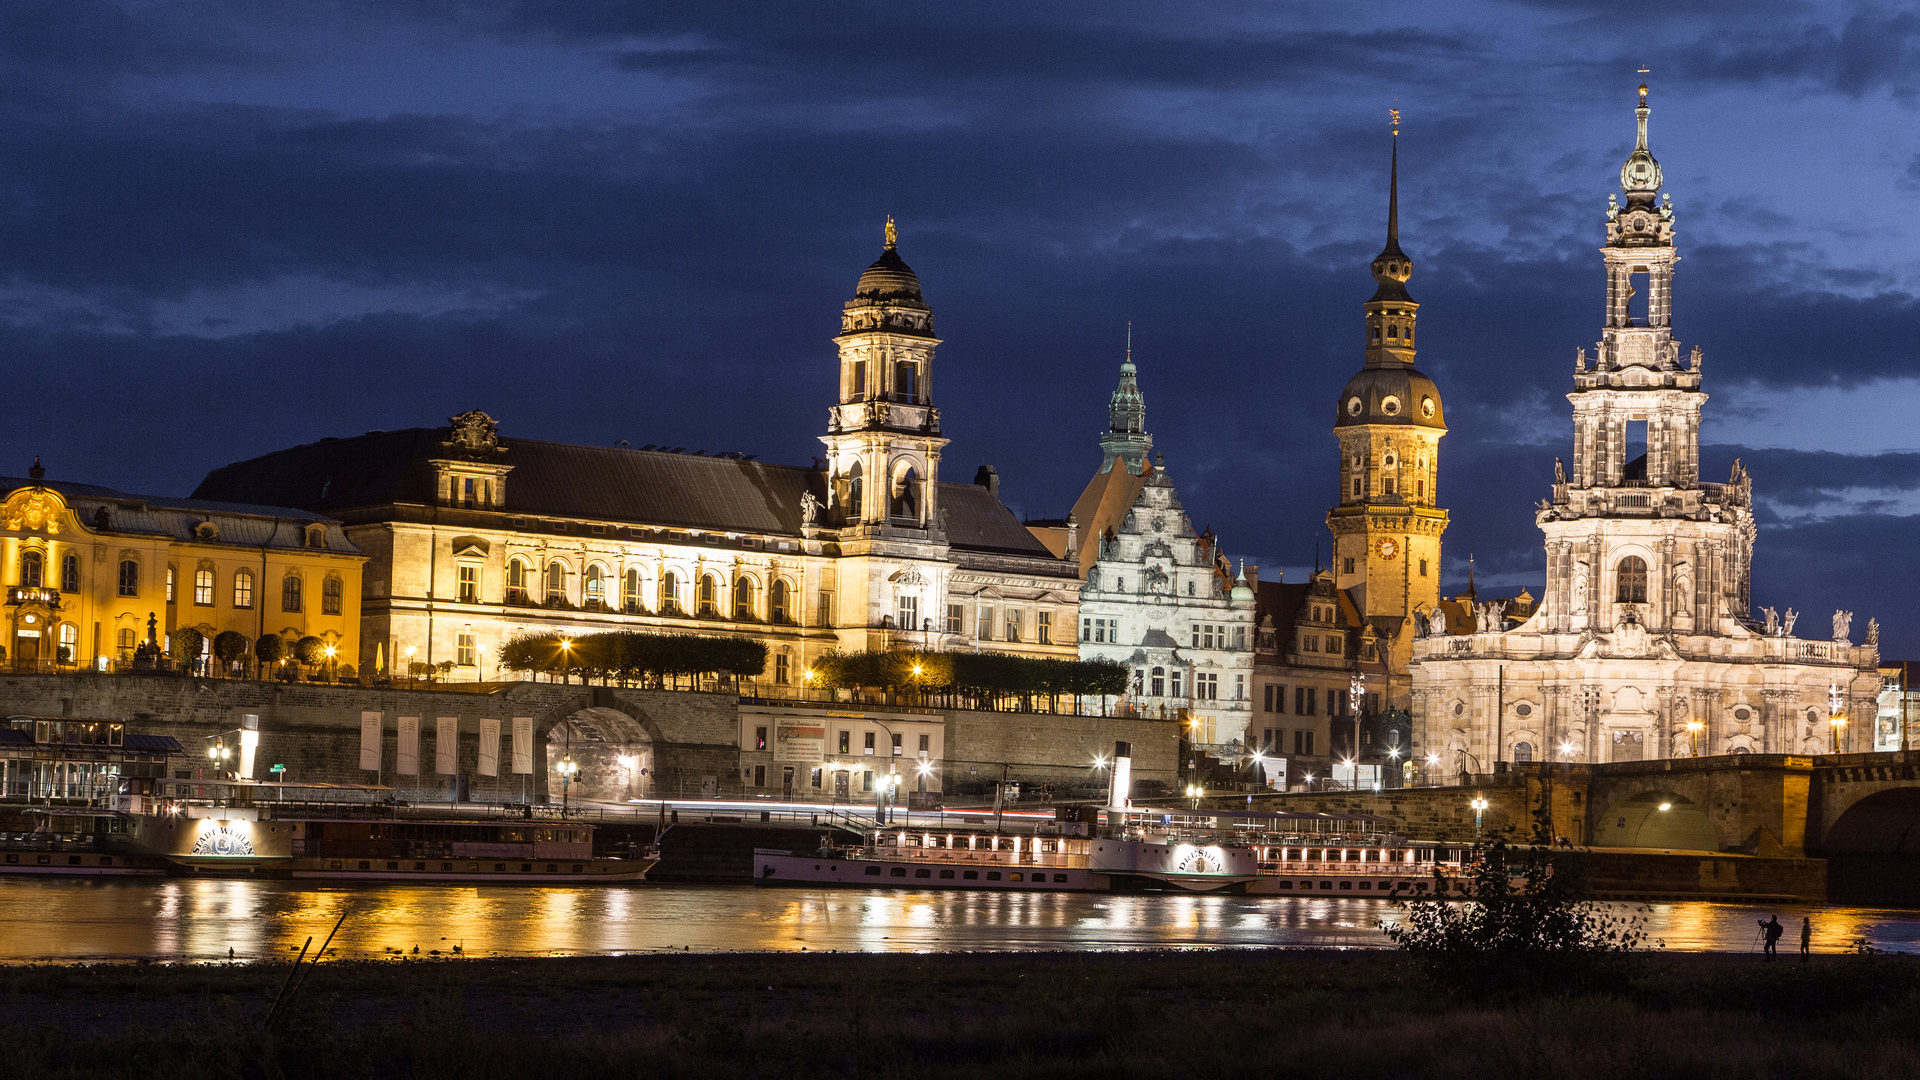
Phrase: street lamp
(1836,714)
(566,656)
(332,674)
(218,755)
(1479,805)
(567,767)
(409,667)
(1694,727)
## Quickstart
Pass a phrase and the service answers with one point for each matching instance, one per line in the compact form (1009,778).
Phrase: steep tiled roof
(358,476)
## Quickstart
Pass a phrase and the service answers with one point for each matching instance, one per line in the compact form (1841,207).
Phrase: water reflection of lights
(202,918)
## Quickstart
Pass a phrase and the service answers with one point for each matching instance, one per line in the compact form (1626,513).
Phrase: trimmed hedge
(627,654)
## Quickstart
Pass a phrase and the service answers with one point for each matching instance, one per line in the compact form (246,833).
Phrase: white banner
(523,744)
(489,760)
(409,753)
(370,741)
(446,745)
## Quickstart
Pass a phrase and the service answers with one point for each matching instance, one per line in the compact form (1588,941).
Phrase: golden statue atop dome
(893,234)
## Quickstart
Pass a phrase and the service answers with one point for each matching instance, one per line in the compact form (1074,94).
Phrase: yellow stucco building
(88,570)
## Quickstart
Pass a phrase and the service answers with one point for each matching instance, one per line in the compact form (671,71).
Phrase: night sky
(230,228)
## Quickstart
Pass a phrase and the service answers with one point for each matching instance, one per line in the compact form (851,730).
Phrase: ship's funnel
(1119,796)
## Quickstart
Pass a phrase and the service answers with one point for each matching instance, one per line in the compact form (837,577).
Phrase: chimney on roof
(988,477)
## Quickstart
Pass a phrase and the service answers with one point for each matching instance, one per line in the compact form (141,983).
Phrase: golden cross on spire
(893,234)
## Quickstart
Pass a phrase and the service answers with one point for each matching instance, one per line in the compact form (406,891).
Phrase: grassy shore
(1106,1016)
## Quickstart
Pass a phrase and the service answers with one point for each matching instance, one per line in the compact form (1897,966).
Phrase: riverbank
(1160,1015)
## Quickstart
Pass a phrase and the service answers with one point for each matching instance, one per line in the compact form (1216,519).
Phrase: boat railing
(965,856)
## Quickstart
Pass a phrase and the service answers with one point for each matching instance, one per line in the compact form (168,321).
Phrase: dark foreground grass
(1005,1016)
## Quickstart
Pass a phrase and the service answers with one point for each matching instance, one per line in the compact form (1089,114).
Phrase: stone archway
(611,742)
(1656,819)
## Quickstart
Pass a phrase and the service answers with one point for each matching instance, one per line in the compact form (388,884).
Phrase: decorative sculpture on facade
(809,508)
(1773,622)
(1786,624)
(1873,634)
(1843,626)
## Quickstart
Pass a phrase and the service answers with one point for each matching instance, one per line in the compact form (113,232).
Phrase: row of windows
(1167,682)
(1002,624)
(1306,701)
(1274,741)
(32,569)
(1330,644)
(1206,636)
(629,592)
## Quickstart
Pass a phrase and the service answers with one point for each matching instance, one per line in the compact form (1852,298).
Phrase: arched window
(129,578)
(630,594)
(709,595)
(777,601)
(243,589)
(906,497)
(1633,580)
(290,593)
(743,598)
(70,573)
(556,582)
(1522,753)
(596,589)
(330,591)
(69,643)
(125,640)
(30,570)
(669,593)
(853,493)
(203,587)
(516,582)
(1158,686)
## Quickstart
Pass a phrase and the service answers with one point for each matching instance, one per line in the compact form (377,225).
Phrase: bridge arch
(1885,821)
(1657,818)
(612,741)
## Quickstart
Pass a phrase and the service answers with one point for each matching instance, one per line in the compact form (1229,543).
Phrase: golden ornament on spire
(1396,120)
(893,234)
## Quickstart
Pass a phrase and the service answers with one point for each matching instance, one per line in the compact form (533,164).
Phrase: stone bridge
(627,742)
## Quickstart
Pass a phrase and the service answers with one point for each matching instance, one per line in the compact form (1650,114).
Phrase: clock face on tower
(1387,549)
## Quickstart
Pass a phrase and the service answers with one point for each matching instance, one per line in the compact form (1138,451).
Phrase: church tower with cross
(1388,523)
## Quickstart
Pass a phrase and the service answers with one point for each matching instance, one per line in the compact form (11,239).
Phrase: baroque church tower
(883,462)
(1614,551)
(1389,422)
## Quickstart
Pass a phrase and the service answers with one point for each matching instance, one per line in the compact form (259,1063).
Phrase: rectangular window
(1043,628)
(956,619)
(1423,568)
(1313,706)
(1269,697)
(203,588)
(896,745)
(759,738)
(904,380)
(909,613)
(1239,638)
(1086,629)
(983,625)
(815,779)
(1386,485)
(759,776)
(859,378)
(469,585)
(781,669)
(1334,642)
(290,594)
(1310,643)
(463,649)
(330,596)
(866,780)
(1013,625)
(926,744)
(169,582)
(467,495)
(243,590)
(867,743)
(826,609)
(1195,629)
(1175,674)
(846,741)
(1239,688)
(1348,564)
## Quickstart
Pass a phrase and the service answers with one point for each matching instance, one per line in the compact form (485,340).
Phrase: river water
(70,919)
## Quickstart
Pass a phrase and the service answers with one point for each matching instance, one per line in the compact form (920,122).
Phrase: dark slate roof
(242,523)
(154,744)
(367,473)
(13,736)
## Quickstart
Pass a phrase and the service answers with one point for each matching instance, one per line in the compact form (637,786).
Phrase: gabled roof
(363,476)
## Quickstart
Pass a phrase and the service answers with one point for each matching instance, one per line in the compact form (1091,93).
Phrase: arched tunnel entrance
(1656,819)
(1873,850)
(611,754)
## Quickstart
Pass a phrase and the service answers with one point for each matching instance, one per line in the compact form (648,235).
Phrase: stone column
(1664,620)
(1773,720)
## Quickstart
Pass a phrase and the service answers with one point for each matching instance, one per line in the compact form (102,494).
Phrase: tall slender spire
(1640,176)
(1393,187)
(1126,436)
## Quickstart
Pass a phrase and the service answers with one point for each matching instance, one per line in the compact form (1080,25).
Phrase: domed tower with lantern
(1388,523)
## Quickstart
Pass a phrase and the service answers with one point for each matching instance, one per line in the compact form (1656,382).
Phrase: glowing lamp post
(1693,727)
(1479,805)
(410,651)
(217,756)
(567,768)
(1836,714)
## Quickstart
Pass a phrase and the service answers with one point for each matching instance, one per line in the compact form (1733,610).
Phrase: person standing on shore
(1806,936)
(1770,930)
